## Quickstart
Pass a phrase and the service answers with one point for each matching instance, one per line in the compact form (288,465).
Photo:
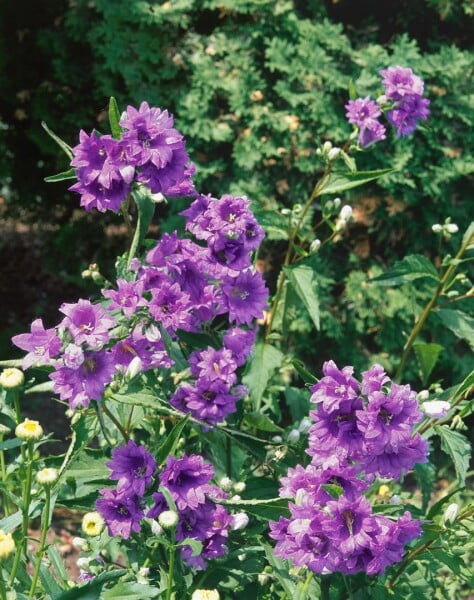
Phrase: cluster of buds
(446,230)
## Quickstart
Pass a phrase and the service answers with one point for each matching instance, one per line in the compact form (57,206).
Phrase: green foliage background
(256,86)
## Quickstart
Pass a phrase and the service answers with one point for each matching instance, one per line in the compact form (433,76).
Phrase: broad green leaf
(453,561)
(270,510)
(48,582)
(265,360)
(173,350)
(92,589)
(281,570)
(437,509)
(9,444)
(69,174)
(57,562)
(426,476)
(114,119)
(61,143)
(13,363)
(302,278)
(412,267)
(145,399)
(261,421)
(168,446)
(461,324)
(458,448)
(130,589)
(340,182)
(427,355)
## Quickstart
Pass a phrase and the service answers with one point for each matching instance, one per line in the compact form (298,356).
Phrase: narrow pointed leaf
(302,279)
(340,182)
(61,143)
(114,119)
(427,356)
(411,268)
(69,174)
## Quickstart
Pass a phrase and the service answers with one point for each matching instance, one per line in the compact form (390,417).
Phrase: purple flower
(240,342)
(128,296)
(133,466)
(393,462)
(187,479)
(42,344)
(171,306)
(88,323)
(362,110)
(207,401)
(372,132)
(407,113)
(214,366)
(86,381)
(335,387)
(350,524)
(400,82)
(373,379)
(155,146)
(245,297)
(121,511)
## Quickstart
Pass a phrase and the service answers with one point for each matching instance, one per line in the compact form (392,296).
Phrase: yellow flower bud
(47,477)
(29,431)
(7,545)
(205,595)
(92,524)
(11,378)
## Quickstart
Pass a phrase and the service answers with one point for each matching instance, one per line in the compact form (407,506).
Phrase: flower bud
(29,431)
(133,368)
(11,378)
(334,153)
(46,477)
(226,484)
(277,439)
(305,424)
(83,562)
(450,514)
(346,213)
(395,500)
(157,198)
(144,572)
(168,519)
(239,521)
(93,524)
(80,543)
(7,545)
(293,436)
(422,395)
(382,100)
(436,409)
(239,487)
(156,528)
(437,228)
(315,246)
(337,203)
(205,595)
(451,228)
(326,147)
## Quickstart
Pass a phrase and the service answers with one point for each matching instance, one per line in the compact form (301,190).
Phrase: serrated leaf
(64,175)
(130,589)
(339,182)
(114,119)
(168,446)
(302,278)
(461,324)
(458,448)
(411,268)
(61,143)
(427,355)
(265,360)
(261,421)
(464,389)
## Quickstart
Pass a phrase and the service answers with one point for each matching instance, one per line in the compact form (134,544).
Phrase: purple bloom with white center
(88,323)
(171,306)
(400,82)
(350,524)
(86,382)
(127,297)
(206,401)
(41,344)
(245,297)
(133,466)
(156,147)
(122,512)
(187,479)
(407,113)
(362,110)
(240,342)
(337,385)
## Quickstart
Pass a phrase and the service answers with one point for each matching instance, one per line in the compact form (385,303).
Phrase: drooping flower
(41,344)
(245,297)
(133,466)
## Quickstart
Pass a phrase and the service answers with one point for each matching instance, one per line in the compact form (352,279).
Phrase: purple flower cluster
(150,152)
(361,430)
(181,285)
(404,99)
(188,481)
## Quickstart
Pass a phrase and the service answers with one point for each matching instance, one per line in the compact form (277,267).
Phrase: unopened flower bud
(144,572)
(93,524)
(450,514)
(239,487)
(226,484)
(156,528)
(315,245)
(346,212)
(29,431)
(133,368)
(83,562)
(305,424)
(395,500)
(437,228)
(293,436)
(326,147)
(11,378)
(277,439)
(451,228)
(80,543)
(382,100)
(334,153)
(239,521)
(205,595)
(423,395)
(153,334)
(337,203)
(7,545)
(235,498)
(46,477)
(168,519)
(157,198)
(285,211)
(436,409)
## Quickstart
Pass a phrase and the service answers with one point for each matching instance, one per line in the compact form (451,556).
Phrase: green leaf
(69,174)
(114,119)
(46,386)
(453,561)
(145,399)
(261,421)
(461,324)
(340,182)
(468,237)
(426,476)
(270,510)
(303,371)
(146,210)
(9,444)
(333,489)
(196,545)
(173,350)
(464,389)
(458,448)
(265,360)
(169,445)
(90,590)
(128,590)
(427,355)
(13,363)
(412,267)
(353,95)
(302,278)
(61,143)
(281,570)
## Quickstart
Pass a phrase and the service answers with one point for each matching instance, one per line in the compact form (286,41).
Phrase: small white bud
(382,100)
(277,439)
(235,498)
(346,212)
(326,147)
(156,528)
(285,211)
(144,571)
(395,500)
(153,334)
(305,424)
(168,519)
(226,484)
(79,543)
(436,409)
(239,487)
(337,203)
(205,595)
(239,521)
(293,436)
(315,245)
(451,228)
(450,514)
(423,395)
(437,228)
(263,578)
(157,198)
(133,368)
(11,378)
(83,562)
(334,153)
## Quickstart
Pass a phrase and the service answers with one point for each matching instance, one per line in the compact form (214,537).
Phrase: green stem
(41,550)
(229,456)
(291,244)
(116,422)
(126,217)
(428,308)
(171,565)
(22,546)
(303,587)
(3,591)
